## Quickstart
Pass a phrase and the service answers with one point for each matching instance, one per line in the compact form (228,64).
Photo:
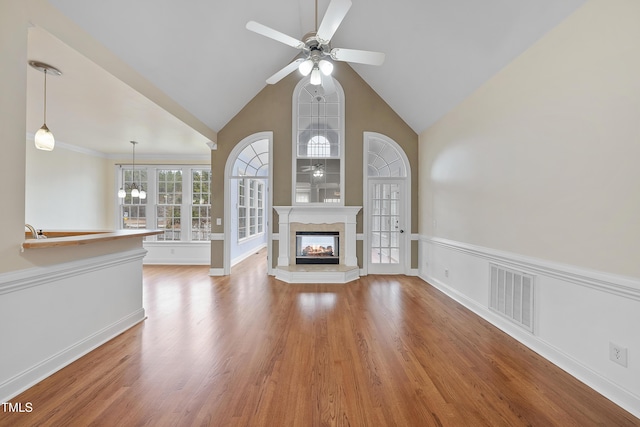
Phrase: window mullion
(187,204)
(152,199)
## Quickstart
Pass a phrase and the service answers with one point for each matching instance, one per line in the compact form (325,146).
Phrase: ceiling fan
(317,169)
(317,166)
(316,47)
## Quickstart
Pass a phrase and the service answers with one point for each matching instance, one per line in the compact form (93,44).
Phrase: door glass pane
(385,224)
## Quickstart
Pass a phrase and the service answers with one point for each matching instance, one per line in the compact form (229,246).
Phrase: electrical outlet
(446,272)
(618,354)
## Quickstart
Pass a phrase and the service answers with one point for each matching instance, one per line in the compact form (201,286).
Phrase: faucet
(32,230)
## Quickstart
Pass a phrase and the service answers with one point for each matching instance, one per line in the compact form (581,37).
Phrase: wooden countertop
(75,238)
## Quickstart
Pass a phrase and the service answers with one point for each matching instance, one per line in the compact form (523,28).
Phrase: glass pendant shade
(135,193)
(44,139)
(316,78)
(305,67)
(143,194)
(122,194)
(326,67)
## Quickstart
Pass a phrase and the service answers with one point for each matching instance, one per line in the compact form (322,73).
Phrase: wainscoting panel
(178,253)
(51,316)
(576,312)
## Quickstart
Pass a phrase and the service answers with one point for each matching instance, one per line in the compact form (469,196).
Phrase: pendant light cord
(133,170)
(45,96)
(316,16)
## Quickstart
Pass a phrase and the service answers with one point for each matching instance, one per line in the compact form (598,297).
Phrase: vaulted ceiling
(199,54)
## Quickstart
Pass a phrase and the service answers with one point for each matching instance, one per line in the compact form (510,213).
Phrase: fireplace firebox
(317,247)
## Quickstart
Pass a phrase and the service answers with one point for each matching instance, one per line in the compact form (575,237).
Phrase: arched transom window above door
(253,160)
(384,160)
(318,144)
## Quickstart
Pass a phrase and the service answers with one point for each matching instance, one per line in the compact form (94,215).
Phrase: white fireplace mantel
(345,215)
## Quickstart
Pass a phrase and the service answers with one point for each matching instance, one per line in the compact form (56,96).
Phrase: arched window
(318,134)
(318,146)
(384,160)
(249,170)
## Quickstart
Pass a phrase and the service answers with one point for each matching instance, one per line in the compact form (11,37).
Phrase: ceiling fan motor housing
(314,48)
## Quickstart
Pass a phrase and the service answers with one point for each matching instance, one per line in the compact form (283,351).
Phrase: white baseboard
(21,382)
(465,284)
(172,261)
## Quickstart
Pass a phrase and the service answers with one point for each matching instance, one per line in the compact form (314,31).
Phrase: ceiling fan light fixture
(306,67)
(316,45)
(316,78)
(326,67)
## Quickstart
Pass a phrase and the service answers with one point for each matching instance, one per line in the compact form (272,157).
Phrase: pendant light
(44,139)
(135,191)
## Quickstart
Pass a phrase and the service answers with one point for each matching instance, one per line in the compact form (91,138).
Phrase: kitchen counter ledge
(75,238)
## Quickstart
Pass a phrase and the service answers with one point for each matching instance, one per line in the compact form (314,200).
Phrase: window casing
(178,202)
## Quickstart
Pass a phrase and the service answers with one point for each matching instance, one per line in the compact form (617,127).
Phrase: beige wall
(13,87)
(543,159)
(271,110)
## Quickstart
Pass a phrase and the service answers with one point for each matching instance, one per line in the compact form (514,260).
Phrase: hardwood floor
(248,350)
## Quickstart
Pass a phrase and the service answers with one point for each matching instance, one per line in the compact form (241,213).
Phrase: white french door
(386,234)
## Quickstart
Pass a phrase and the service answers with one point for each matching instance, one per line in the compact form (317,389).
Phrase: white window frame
(253,204)
(152,195)
(297,196)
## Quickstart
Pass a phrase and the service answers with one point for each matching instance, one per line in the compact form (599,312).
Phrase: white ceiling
(199,53)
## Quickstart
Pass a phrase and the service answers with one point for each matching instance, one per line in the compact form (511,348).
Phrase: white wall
(67,190)
(541,163)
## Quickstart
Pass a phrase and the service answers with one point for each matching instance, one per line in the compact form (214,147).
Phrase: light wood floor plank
(248,350)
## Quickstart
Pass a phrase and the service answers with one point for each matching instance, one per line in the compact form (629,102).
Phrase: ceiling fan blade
(358,56)
(328,85)
(263,30)
(284,72)
(334,15)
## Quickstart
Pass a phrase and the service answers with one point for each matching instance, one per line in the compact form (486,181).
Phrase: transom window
(318,146)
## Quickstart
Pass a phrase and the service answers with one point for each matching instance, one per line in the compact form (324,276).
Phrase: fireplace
(340,220)
(317,247)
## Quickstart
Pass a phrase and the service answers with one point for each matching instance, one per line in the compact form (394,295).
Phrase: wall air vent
(511,295)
